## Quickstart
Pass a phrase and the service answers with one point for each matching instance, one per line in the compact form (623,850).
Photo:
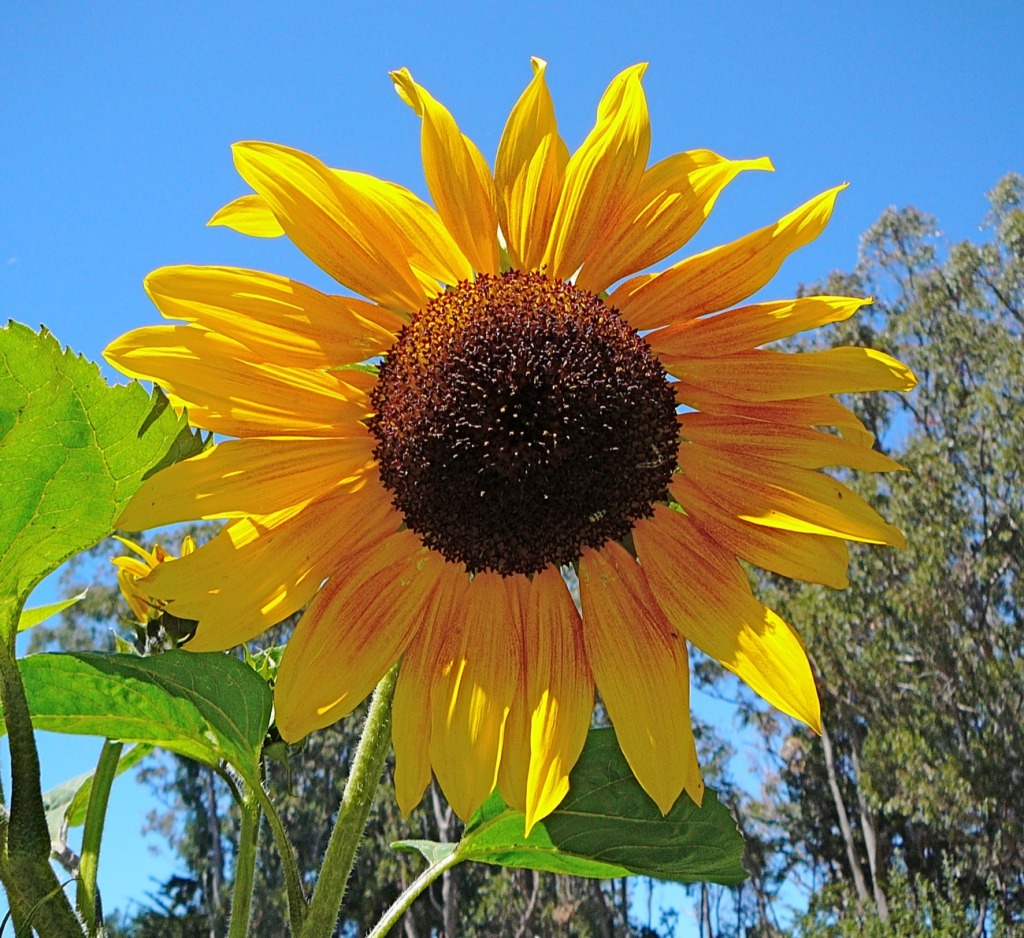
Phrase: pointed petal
(333,222)
(779,496)
(819,411)
(762,375)
(670,205)
(458,177)
(705,594)
(515,747)
(810,557)
(528,172)
(230,390)
(278,319)
(560,693)
(410,710)
(247,477)
(738,330)
(724,275)
(602,176)
(642,671)
(248,215)
(352,632)
(260,570)
(796,446)
(472,695)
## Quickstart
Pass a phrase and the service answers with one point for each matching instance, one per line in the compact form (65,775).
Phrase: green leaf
(68,801)
(606,827)
(73,450)
(431,849)
(209,707)
(39,614)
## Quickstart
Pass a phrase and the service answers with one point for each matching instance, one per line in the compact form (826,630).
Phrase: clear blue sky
(116,122)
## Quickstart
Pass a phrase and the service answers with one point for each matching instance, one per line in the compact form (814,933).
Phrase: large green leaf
(209,707)
(606,827)
(73,450)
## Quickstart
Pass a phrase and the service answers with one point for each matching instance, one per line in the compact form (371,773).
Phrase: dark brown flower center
(519,420)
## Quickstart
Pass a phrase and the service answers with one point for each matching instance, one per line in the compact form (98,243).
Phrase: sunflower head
(531,398)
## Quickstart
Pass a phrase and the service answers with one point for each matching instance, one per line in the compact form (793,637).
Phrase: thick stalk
(401,905)
(245,868)
(32,886)
(92,834)
(363,779)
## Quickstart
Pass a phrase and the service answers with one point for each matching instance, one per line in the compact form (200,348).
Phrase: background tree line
(906,817)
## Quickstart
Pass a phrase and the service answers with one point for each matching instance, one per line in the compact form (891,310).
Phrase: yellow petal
(819,411)
(747,327)
(559,691)
(428,244)
(515,747)
(229,389)
(247,477)
(248,215)
(260,570)
(472,695)
(602,176)
(762,375)
(724,275)
(333,222)
(279,319)
(797,446)
(705,594)
(354,630)
(779,496)
(410,710)
(670,205)
(810,557)
(458,177)
(642,671)
(528,172)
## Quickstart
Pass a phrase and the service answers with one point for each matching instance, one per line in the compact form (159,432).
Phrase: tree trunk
(844,819)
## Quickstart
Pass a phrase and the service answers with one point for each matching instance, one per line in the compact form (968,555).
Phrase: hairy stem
(409,895)
(245,867)
(289,866)
(363,779)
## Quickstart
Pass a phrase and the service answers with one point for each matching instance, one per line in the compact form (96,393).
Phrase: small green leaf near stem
(363,779)
(95,816)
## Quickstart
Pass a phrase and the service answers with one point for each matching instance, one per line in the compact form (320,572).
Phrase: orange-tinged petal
(259,570)
(674,198)
(810,557)
(602,176)
(559,691)
(528,172)
(797,446)
(515,747)
(642,671)
(472,694)
(229,389)
(724,275)
(352,632)
(705,594)
(248,215)
(410,710)
(277,318)
(334,222)
(247,477)
(779,496)
(821,411)
(762,375)
(458,177)
(747,327)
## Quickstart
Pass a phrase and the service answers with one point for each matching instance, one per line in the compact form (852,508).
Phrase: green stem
(411,893)
(245,868)
(289,866)
(92,834)
(363,779)
(32,886)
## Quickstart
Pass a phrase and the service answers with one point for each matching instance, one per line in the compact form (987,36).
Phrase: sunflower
(132,570)
(539,406)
